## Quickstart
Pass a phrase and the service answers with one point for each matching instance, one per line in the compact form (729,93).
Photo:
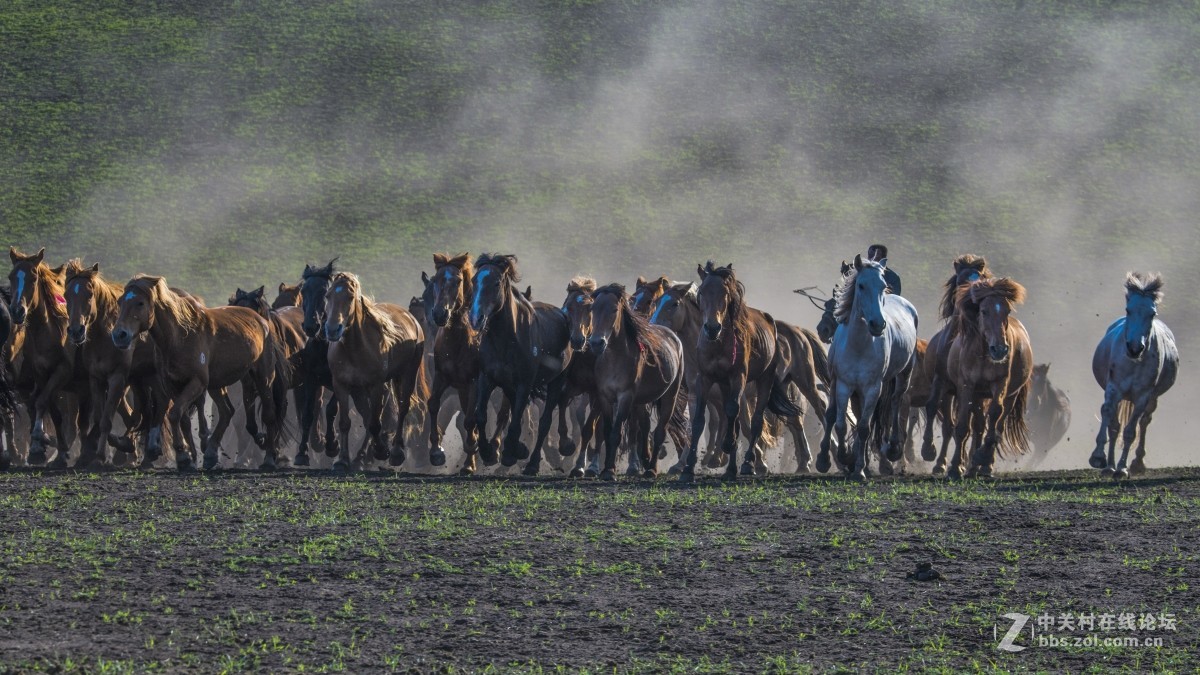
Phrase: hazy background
(225,144)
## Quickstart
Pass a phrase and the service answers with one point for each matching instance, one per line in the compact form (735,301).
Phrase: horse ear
(96,267)
(529,292)
(37,258)
(641,281)
(440,259)
(424,276)
(858,261)
(13,255)
(260,290)
(662,283)
(701,272)
(729,265)
(845,268)
(282,287)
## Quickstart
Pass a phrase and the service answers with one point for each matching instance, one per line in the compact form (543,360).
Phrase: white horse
(872,356)
(1135,362)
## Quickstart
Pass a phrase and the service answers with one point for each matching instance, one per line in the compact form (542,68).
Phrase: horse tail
(780,403)
(819,355)
(1012,430)
(679,427)
(280,383)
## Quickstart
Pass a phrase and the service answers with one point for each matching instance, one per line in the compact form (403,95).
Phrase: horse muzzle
(122,338)
(876,328)
(1135,349)
(440,315)
(597,345)
(333,332)
(578,342)
(712,331)
(17,310)
(77,334)
(998,353)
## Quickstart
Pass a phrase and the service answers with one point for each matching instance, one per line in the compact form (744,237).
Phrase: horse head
(578,309)
(1143,292)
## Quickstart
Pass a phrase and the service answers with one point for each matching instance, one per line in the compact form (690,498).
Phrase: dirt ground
(129,571)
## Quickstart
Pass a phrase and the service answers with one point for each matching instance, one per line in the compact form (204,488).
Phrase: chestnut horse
(372,348)
(738,345)
(524,348)
(202,349)
(990,359)
(288,296)
(47,357)
(287,328)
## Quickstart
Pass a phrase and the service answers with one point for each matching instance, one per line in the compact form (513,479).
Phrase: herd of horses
(623,371)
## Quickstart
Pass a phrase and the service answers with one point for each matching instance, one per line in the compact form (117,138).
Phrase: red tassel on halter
(641,347)
(733,355)
(60,299)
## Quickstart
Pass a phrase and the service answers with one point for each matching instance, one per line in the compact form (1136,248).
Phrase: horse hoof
(939,470)
(36,456)
(1097,461)
(1107,472)
(650,473)
(332,448)
(1137,468)
(576,473)
(860,475)
(210,461)
(675,470)
(121,444)
(396,457)
(341,467)
(730,474)
(954,474)
(566,447)
(984,472)
(590,473)
(506,459)
(824,464)
(379,452)
(1120,474)
(301,459)
(522,450)
(184,465)
(747,469)
(608,475)
(267,465)
(687,478)
(633,471)
(893,452)
(531,469)
(490,452)
(466,471)
(59,461)
(437,456)
(928,453)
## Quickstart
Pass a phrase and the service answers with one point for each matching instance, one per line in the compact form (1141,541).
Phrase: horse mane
(843,293)
(1145,284)
(389,332)
(182,310)
(737,298)
(638,326)
(463,262)
(964,262)
(584,285)
(507,263)
(313,271)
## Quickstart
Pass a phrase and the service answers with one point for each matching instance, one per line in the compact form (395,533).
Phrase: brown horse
(287,329)
(203,349)
(288,296)
(636,365)
(1048,414)
(738,345)
(93,304)
(38,307)
(990,358)
(940,400)
(372,348)
(806,366)
(647,293)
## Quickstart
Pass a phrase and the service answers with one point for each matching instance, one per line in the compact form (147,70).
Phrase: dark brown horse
(93,304)
(201,349)
(372,347)
(581,374)
(287,328)
(1048,414)
(524,349)
(637,365)
(940,400)
(737,345)
(990,358)
(47,357)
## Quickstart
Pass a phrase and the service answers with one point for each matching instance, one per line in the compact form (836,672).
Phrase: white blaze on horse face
(75,290)
(997,308)
(203,358)
(478,293)
(129,295)
(20,283)
(662,302)
(339,289)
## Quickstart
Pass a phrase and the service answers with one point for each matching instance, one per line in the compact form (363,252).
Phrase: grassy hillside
(225,143)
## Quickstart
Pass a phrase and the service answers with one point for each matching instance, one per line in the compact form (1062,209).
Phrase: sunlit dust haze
(226,144)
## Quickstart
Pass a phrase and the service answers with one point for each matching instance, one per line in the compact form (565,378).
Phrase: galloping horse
(737,346)
(202,349)
(287,328)
(871,358)
(968,268)
(1135,362)
(637,364)
(990,358)
(93,304)
(807,366)
(523,349)
(38,305)
(314,359)
(1048,412)
(371,347)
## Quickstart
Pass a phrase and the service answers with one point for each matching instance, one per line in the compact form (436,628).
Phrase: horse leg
(829,419)
(986,456)
(897,410)
(587,433)
(341,399)
(181,405)
(946,404)
(470,431)
(272,418)
(489,449)
(106,403)
(862,433)
(616,420)
(225,410)
(514,449)
(1139,464)
(761,399)
(62,439)
(731,396)
(1108,417)
(333,440)
(249,393)
(566,444)
(306,424)
(714,456)
(554,392)
(437,454)
(932,405)
(638,429)
(699,405)
(962,426)
(1130,431)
